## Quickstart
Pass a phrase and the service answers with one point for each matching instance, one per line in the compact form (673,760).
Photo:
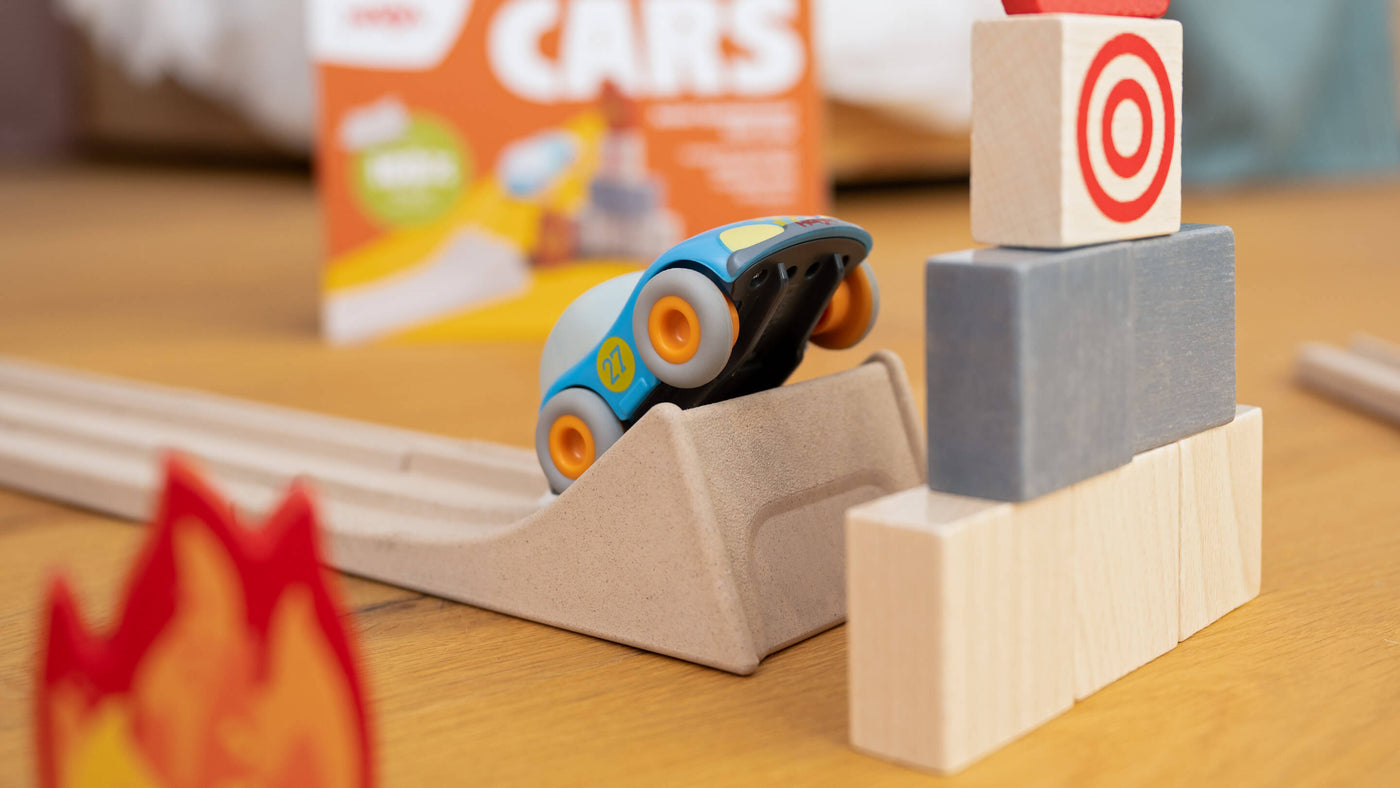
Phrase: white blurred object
(250,54)
(470,267)
(909,58)
(376,123)
(530,166)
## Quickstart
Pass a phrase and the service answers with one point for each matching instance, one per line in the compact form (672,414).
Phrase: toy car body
(723,314)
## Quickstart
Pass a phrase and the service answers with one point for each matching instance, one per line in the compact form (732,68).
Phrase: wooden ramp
(713,534)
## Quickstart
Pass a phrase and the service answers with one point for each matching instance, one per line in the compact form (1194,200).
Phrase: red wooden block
(1144,8)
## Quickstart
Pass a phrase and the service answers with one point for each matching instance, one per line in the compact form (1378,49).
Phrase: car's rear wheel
(851,312)
(574,429)
(685,327)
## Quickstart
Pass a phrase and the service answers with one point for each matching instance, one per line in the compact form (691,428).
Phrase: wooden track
(712,534)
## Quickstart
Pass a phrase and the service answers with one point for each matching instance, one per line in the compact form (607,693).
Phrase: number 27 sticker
(616,366)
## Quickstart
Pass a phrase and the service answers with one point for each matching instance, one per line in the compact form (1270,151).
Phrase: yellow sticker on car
(616,365)
(736,238)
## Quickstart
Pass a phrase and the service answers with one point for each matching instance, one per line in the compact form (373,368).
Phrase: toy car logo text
(653,49)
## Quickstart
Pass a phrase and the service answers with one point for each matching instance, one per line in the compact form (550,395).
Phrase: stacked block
(1183,333)
(1147,8)
(959,623)
(970,622)
(1094,492)
(626,214)
(1029,367)
(1076,123)
(1221,521)
(1047,367)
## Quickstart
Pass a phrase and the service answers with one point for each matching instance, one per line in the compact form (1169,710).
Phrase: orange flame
(228,665)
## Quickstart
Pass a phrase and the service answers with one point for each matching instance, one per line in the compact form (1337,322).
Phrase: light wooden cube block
(959,623)
(1076,129)
(1222,480)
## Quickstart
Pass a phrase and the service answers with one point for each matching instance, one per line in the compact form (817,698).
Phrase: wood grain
(1220,527)
(207,279)
(971,623)
(961,623)
(1126,541)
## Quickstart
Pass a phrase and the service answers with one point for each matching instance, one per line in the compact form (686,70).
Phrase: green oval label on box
(415,178)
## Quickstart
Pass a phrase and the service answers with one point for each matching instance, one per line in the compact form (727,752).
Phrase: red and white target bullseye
(1126,128)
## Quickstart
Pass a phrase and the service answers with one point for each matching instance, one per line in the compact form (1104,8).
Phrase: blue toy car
(726,313)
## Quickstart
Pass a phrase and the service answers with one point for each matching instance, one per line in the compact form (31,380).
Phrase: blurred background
(1303,89)
(159,221)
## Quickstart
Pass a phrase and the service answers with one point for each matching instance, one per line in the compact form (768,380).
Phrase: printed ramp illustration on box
(1076,129)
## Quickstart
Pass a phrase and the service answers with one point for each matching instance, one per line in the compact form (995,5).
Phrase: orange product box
(483,162)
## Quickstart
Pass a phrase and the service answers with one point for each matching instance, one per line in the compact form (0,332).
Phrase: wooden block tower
(626,213)
(1094,492)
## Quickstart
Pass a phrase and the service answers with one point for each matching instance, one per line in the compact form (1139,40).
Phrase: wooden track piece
(972,622)
(1359,380)
(358,443)
(1376,349)
(712,534)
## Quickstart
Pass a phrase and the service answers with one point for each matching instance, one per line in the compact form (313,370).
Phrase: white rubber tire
(592,411)
(712,309)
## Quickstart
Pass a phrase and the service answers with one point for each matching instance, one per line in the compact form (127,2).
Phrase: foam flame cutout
(228,663)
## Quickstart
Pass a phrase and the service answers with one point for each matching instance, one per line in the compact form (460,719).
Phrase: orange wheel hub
(674,329)
(848,315)
(571,446)
(836,311)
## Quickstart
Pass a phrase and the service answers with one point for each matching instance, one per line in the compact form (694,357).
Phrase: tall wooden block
(1076,129)
(1126,535)
(960,624)
(1221,519)
(1030,357)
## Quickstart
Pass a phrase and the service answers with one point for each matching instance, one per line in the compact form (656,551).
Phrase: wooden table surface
(207,279)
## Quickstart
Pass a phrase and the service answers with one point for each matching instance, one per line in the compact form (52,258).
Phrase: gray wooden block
(1029,389)
(1030,358)
(1184,334)
(626,198)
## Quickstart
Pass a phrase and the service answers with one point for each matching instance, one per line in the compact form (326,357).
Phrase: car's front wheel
(574,429)
(685,327)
